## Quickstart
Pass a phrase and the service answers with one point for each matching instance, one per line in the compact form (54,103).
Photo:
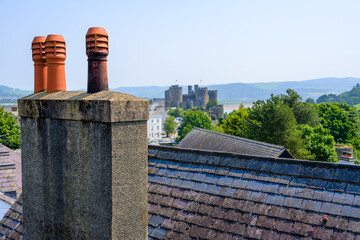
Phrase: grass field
(357,106)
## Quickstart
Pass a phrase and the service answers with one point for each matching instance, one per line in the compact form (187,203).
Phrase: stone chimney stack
(84,163)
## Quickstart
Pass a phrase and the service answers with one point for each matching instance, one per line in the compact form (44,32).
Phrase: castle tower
(173,96)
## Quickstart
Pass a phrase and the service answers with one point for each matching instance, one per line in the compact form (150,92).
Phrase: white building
(154,126)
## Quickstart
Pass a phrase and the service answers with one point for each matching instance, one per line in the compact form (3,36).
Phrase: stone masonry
(84,161)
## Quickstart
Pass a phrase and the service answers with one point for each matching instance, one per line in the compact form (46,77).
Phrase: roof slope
(199,138)
(196,194)
(199,194)
(11,224)
(8,180)
(10,169)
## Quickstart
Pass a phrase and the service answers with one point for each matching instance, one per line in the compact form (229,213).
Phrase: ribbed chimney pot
(97,49)
(40,68)
(55,54)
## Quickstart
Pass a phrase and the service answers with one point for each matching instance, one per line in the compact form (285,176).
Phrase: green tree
(9,130)
(170,125)
(319,142)
(274,122)
(310,100)
(177,112)
(191,119)
(237,123)
(341,119)
(304,112)
(292,98)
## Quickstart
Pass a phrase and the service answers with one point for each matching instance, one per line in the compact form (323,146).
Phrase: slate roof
(196,194)
(202,195)
(7,172)
(203,139)
(11,224)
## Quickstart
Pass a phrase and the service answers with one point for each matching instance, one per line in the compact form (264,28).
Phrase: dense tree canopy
(191,119)
(319,142)
(9,130)
(177,112)
(237,123)
(341,119)
(304,112)
(273,121)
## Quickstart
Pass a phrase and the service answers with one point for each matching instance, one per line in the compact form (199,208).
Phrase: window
(157,120)
(157,127)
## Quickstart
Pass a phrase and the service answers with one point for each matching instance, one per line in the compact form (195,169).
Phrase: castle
(198,97)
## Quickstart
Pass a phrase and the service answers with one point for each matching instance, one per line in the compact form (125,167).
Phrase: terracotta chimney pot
(97,49)
(55,54)
(40,68)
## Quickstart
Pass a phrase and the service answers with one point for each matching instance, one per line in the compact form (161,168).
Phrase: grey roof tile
(173,165)
(236,172)
(353,188)
(270,187)
(323,195)
(200,186)
(335,186)
(211,178)
(213,189)
(331,208)
(343,198)
(347,175)
(254,185)
(350,211)
(293,202)
(199,176)
(356,201)
(311,205)
(225,181)
(262,205)
(257,196)
(275,199)
(156,221)
(174,173)
(158,233)
(227,191)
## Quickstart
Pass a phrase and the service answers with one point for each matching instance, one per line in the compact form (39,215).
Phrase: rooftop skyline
(159,42)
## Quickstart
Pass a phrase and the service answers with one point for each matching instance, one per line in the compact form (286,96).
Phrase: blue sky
(158,42)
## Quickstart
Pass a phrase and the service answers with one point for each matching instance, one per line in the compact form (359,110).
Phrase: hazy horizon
(156,43)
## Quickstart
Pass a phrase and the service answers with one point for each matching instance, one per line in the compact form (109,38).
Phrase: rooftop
(197,194)
(199,138)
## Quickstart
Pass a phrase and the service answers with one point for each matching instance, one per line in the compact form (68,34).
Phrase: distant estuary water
(229,107)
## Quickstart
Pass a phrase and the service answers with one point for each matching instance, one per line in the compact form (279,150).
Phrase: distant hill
(236,92)
(12,92)
(351,97)
(249,92)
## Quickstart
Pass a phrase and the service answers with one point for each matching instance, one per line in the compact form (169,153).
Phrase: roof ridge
(241,138)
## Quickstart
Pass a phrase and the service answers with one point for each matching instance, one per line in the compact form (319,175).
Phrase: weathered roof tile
(200,199)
